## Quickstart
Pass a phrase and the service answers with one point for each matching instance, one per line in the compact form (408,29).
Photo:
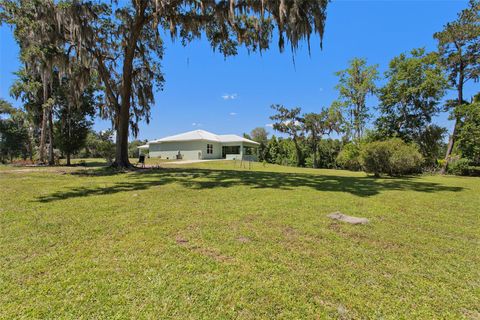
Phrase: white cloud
(270,125)
(233,114)
(196,124)
(229,96)
(287,122)
(321,89)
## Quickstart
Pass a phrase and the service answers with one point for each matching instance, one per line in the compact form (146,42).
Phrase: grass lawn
(213,240)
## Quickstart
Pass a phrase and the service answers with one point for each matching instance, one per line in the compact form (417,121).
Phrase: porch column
(241,150)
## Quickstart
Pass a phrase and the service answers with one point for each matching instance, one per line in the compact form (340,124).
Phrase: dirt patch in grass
(59,170)
(243,239)
(209,252)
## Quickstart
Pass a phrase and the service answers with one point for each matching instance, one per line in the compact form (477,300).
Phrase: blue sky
(205,91)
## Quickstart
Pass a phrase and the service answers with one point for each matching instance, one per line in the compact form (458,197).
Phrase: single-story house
(201,144)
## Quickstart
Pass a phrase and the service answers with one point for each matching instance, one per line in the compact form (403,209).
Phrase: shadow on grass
(210,179)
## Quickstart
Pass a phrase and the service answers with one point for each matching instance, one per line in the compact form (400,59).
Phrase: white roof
(204,135)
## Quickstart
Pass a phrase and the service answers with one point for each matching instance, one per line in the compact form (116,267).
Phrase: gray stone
(348,219)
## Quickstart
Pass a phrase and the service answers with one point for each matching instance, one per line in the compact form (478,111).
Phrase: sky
(205,91)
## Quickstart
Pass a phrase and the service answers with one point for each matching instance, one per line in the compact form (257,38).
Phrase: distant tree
(260,135)
(328,150)
(14,137)
(356,83)
(411,96)
(133,151)
(74,121)
(459,49)
(431,144)
(288,121)
(100,145)
(468,137)
(287,154)
(41,51)
(272,150)
(316,125)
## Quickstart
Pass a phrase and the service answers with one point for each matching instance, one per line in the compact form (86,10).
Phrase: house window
(209,148)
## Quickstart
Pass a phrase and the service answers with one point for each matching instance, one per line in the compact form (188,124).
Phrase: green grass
(213,240)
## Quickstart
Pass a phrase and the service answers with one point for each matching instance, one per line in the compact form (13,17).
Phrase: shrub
(474,171)
(459,167)
(393,157)
(349,157)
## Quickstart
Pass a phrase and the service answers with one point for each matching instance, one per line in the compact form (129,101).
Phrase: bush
(459,167)
(349,157)
(393,157)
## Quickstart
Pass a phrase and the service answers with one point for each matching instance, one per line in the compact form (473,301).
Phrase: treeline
(403,138)
(72,137)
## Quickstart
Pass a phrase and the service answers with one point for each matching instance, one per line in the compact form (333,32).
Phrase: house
(201,144)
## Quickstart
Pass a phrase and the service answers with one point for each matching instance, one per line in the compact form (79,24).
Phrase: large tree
(411,96)
(355,84)
(288,121)
(124,42)
(47,57)
(459,48)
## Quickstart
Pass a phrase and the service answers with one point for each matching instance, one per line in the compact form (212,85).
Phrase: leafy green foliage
(316,125)
(459,49)
(431,144)
(14,132)
(260,135)
(459,167)
(356,83)
(133,151)
(411,96)
(289,121)
(469,134)
(100,145)
(74,120)
(393,157)
(349,157)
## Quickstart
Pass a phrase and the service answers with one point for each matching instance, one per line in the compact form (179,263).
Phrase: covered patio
(240,151)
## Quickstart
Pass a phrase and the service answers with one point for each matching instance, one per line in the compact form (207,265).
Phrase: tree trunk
(51,158)
(30,148)
(43,136)
(123,116)
(299,152)
(68,159)
(452,139)
(121,146)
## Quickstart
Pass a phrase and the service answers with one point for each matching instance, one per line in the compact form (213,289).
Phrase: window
(209,148)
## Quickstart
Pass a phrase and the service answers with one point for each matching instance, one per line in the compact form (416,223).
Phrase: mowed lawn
(216,241)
